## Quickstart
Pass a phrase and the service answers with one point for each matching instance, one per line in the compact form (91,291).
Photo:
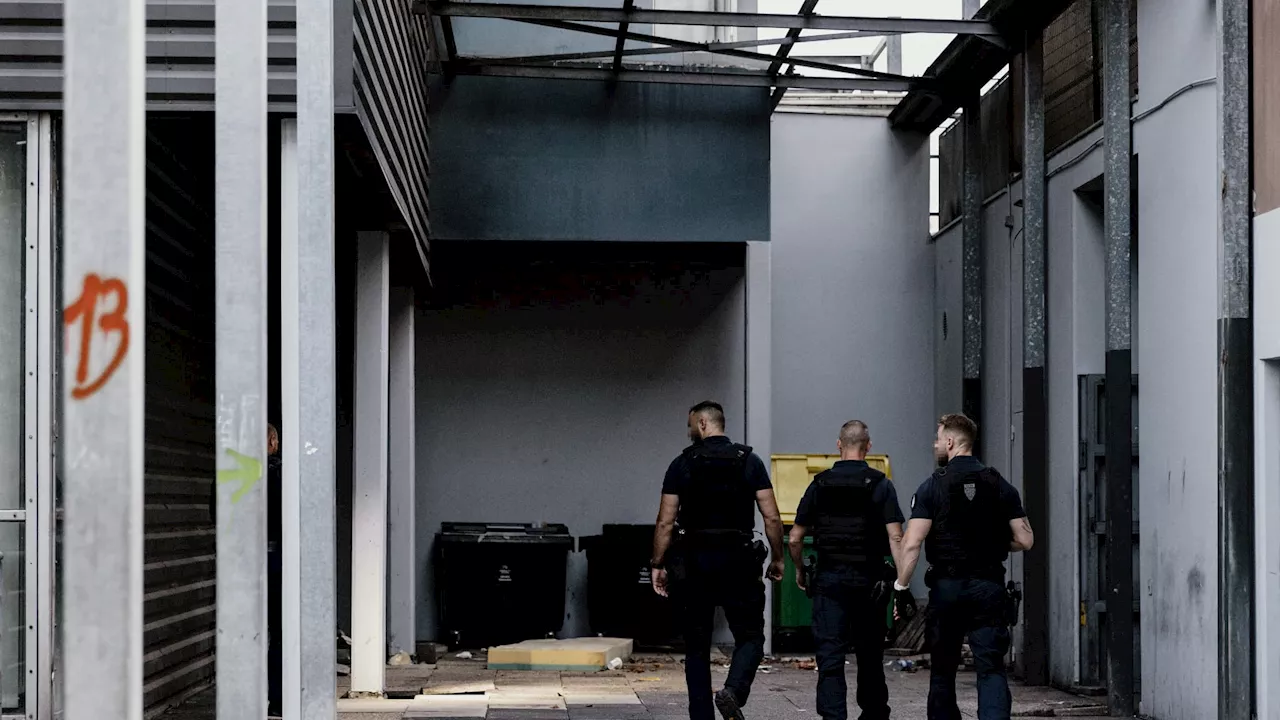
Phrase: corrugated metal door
(180,537)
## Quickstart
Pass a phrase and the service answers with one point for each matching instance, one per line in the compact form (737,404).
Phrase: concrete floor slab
(658,693)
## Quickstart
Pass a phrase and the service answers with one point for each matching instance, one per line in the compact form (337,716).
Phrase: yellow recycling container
(793,473)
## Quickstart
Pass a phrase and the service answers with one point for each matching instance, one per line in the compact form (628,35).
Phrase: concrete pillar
(1035,385)
(1236,551)
(759,372)
(971,264)
(369,512)
(1118,230)
(402,574)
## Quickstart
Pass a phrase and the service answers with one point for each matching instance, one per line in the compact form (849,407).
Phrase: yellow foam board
(573,655)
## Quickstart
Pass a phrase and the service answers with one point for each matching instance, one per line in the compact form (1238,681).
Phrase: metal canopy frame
(609,66)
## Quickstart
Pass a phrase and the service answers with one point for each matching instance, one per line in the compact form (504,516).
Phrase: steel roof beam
(669,50)
(623,27)
(806,10)
(729,79)
(699,47)
(511,11)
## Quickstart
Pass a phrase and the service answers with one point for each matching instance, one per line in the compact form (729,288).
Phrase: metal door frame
(39,411)
(1092,449)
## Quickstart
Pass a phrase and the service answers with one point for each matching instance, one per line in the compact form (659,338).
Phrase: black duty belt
(994,573)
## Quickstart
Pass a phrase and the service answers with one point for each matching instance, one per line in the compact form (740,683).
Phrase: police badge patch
(970,489)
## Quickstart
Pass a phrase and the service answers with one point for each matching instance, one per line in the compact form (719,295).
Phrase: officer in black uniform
(852,511)
(710,493)
(973,519)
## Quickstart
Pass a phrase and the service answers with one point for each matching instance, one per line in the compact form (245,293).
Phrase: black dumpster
(500,583)
(620,596)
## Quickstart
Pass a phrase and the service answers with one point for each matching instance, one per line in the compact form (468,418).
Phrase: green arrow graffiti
(248,472)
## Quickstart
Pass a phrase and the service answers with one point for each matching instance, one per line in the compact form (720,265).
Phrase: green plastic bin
(793,609)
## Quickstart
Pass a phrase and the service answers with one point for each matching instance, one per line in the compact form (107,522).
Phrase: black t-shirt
(929,496)
(883,495)
(756,477)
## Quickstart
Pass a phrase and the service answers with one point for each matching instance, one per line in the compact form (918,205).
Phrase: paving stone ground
(649,690)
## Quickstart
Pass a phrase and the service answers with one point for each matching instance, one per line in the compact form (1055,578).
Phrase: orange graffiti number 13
(85,311)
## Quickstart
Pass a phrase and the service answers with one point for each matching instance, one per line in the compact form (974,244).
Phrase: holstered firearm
(1013,593)
(809,571)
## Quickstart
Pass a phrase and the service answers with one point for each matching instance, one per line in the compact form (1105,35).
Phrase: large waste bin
(620,596)
(500,583)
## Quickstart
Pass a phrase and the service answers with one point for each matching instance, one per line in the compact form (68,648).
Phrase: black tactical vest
(970,535)
(850,528)
(718,497)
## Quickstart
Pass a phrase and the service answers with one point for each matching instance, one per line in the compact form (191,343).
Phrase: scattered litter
(400,658)
(804,664)
(615,664)
(903,665)
(464,655)
(766,669)
(344,670)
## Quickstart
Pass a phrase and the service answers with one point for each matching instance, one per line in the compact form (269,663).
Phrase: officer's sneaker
(727,704)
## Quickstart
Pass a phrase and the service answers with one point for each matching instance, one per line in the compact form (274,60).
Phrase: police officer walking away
(972,519)
(852,511)
(710,493)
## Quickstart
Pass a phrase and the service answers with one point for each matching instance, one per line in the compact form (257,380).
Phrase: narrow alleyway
(651,689)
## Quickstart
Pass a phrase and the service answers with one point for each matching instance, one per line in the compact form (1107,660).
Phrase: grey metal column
(971,264)
(309,369)
(969,8)
(1035,386)
(240,130)
(1118,156)
(759,371)
(104,264)
(894,50)
(402,578)
(369,513)
(1236,655)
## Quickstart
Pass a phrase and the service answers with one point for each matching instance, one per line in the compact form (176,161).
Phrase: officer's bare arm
(917,531)
(1023,538)
(666,525)
(795,544)
(768,505)
(895,542)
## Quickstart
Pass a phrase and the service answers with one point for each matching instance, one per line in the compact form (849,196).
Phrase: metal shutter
(179,610)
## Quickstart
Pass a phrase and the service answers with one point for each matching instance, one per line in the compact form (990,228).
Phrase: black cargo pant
(729,577)
(846,617)
(960,607)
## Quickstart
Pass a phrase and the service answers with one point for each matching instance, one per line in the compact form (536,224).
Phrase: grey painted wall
(1266,323)
(853,289)
(561,399)
(518,159)
(1177,339)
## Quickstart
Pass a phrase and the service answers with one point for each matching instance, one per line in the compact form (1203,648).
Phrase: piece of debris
(805,664)
(344,670)
(615,664)
(765,669)
(430,653)
(400,658)
(464,655)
